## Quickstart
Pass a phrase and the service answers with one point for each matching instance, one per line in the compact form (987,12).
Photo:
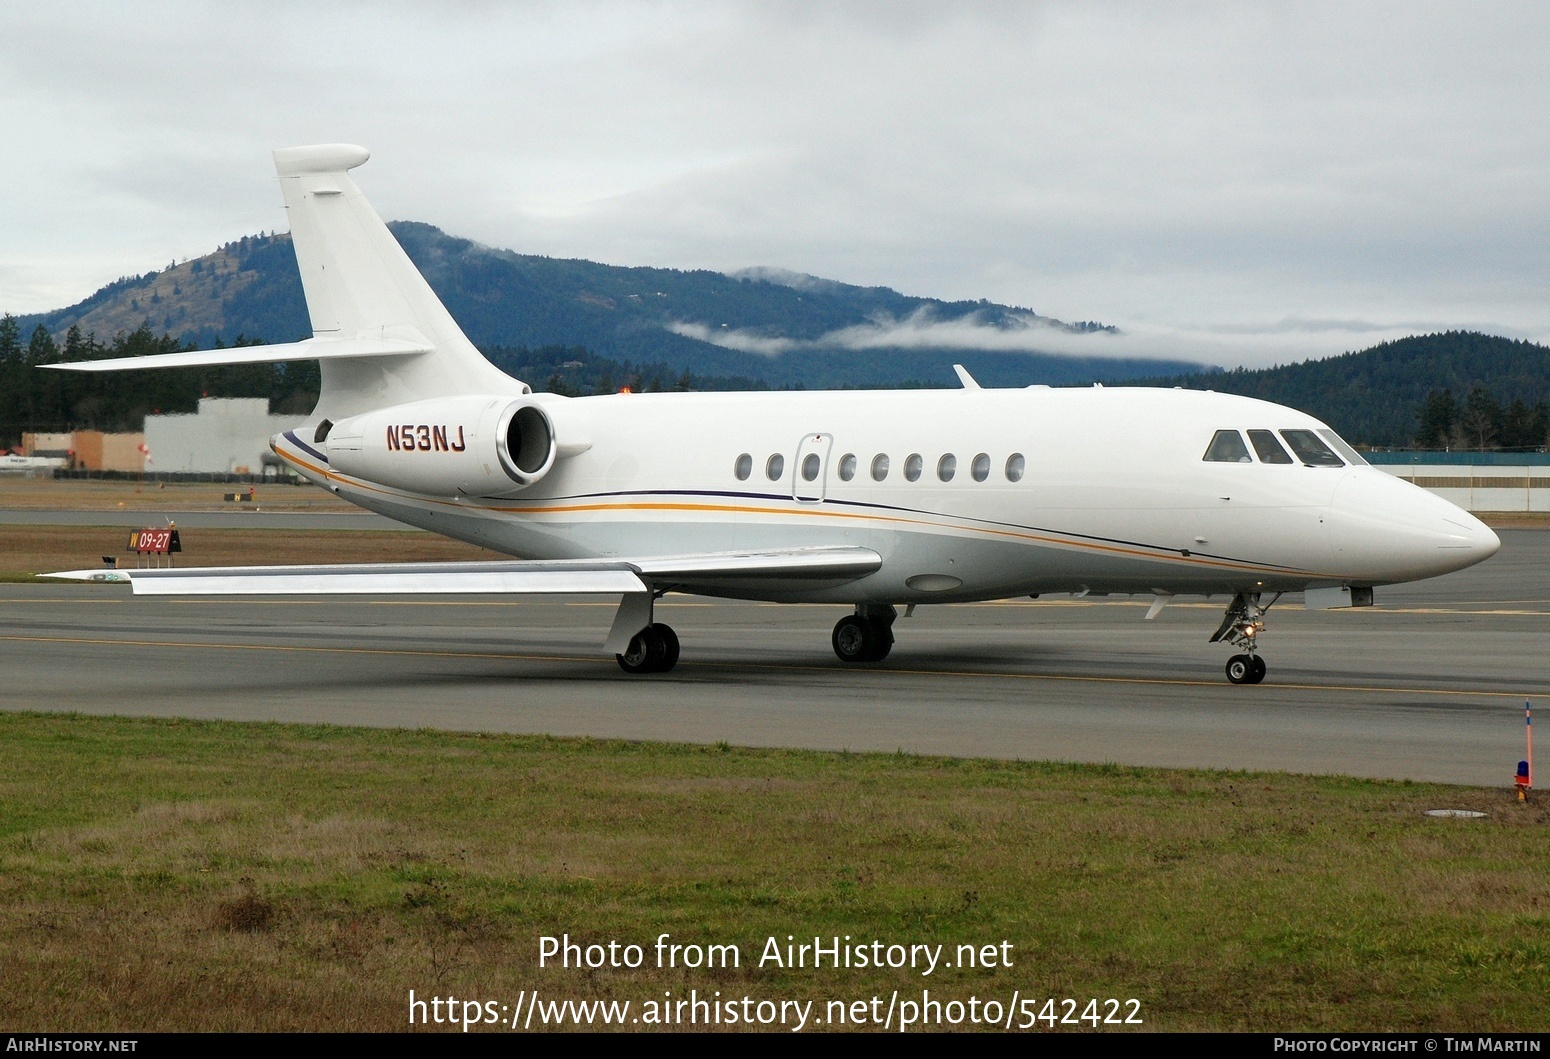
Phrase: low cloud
(1250,344)
(740,340)
(922,329)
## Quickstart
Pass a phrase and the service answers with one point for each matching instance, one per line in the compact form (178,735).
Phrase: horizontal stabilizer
(311,349)
(515,577)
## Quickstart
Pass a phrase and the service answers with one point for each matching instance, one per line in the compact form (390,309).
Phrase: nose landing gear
(867,635)
(1241,626)
(1245,669)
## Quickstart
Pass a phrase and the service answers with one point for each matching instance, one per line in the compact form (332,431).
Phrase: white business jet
(875,499)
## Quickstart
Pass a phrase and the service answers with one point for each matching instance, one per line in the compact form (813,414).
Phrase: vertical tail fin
(359,283)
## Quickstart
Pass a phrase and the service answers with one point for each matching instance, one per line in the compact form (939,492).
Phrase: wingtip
(117,577)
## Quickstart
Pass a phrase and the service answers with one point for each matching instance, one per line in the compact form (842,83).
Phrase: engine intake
(478,446)
(527,449)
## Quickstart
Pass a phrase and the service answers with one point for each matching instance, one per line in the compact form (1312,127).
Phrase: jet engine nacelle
(477,446)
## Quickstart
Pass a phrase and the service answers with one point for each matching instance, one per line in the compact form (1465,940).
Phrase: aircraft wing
(516,576)
(636,581)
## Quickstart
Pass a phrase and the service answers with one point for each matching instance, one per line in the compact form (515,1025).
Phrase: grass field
(188,875)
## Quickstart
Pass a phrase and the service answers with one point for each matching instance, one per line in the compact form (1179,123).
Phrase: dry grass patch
(46,494)
(29,550)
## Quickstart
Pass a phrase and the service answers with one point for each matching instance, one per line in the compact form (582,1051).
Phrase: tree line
(37,400)
(1480,421)
(1366,396)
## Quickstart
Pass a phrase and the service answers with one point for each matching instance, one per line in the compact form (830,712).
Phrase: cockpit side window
(1269,449)
(1227,447)
(1337,443)
(1311,450)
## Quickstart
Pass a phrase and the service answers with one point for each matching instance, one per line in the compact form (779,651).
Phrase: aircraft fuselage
(966,494)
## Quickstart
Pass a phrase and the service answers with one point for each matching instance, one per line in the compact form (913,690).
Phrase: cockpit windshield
(1227,447)
(1310,449)
(1337,443)
(1269,449)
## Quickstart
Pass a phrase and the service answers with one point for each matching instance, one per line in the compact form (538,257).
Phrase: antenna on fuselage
(965,378)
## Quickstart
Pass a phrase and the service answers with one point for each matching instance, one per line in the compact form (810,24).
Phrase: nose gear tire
(1240,669)
(1245,669)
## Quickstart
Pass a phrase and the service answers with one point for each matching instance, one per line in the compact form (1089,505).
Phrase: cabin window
(981,467)
(1014,467)
(1269,449)
(775,467)
(1227,447)
(879,467)
(912,465)
(1310,450)
(810,464)
(946,467)
(1337,443)
(847,466)
(744,467)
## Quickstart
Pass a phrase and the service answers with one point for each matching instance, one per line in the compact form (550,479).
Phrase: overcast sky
(1235,183)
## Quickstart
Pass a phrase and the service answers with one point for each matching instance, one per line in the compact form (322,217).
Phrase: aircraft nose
(1383,529)
(1480,541)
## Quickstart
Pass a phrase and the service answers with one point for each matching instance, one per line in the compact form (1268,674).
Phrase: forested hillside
(656,316)
(579,327)
(1476,391)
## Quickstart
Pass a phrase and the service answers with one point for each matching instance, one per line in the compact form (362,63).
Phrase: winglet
(965,378)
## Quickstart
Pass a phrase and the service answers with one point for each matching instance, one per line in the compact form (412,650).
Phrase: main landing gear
(1241,626)
(867,635)
(652,650)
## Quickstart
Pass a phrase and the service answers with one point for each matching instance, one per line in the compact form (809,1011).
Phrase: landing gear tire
(854,639)
(1245,669)
(884,642)
(858,640)
(652,650)
(670,648)
(1240,669)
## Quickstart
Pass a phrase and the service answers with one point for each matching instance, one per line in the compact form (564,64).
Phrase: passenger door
(811,471)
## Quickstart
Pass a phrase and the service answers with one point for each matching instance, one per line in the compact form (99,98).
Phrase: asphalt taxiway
(1428,685)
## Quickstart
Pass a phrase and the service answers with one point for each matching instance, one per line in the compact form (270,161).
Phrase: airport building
(1475,481)
(228,435)
(89,450)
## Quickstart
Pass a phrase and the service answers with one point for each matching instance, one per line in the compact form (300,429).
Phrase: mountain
(1376,396)
(580,327)
(776,327)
